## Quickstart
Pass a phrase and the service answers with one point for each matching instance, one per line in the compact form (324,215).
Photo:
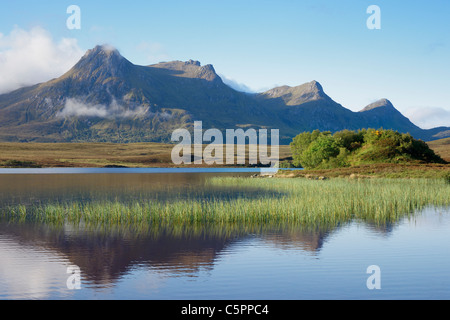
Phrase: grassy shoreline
(298,201)
(147,155)
(381,170)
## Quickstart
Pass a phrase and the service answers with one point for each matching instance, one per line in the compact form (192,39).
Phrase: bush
(349,140)
(320,151)
(301,143)
(323,150)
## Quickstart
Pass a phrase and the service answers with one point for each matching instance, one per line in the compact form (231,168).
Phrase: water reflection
(38,189)
(34,258)
(105,255)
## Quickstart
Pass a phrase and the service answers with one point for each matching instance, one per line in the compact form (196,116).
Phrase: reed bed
(293,201)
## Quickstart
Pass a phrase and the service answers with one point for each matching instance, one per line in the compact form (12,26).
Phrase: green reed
(292,201)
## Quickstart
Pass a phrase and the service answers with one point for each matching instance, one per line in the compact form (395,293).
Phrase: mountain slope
(382,114)
(307,107)
(106,98)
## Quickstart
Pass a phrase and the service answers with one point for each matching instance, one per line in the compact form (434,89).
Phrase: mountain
(382,114)
(106,98)
(307,107)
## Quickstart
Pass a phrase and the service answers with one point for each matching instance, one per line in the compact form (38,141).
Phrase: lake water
(215,262)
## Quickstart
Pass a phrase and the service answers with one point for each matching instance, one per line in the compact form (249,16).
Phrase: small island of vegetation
(323,150)
(364,153)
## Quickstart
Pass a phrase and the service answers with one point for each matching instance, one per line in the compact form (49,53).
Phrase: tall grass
(293,201)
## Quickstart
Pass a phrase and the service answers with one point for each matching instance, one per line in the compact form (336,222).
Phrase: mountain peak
(382,103)
(104,48)
(193,62)
(310,91)
(190,69)
(104,52)
(315,86)
(103,61)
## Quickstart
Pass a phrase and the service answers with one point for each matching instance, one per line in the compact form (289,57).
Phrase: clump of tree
(323,150)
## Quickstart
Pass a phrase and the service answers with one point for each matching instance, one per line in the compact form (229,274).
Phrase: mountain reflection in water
(105,255)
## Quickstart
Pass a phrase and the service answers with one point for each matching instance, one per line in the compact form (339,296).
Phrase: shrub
(319,151)
(323,150)
(349,140)
(301,143)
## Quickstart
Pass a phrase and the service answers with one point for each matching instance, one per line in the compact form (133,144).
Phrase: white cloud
(236,85)
(31,57)
(430,117)
(76,108)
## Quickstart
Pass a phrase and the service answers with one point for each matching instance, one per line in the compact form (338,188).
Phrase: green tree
(349,140)
(319,152)
(301,143)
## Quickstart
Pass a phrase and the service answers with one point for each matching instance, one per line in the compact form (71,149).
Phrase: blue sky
(263,44)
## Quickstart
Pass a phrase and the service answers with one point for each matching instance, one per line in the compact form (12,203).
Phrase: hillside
(106,98)
(441,147)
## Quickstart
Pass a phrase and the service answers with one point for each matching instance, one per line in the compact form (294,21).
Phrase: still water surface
(214,262)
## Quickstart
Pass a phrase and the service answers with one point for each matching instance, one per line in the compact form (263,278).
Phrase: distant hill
(441,147)
(106,98)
